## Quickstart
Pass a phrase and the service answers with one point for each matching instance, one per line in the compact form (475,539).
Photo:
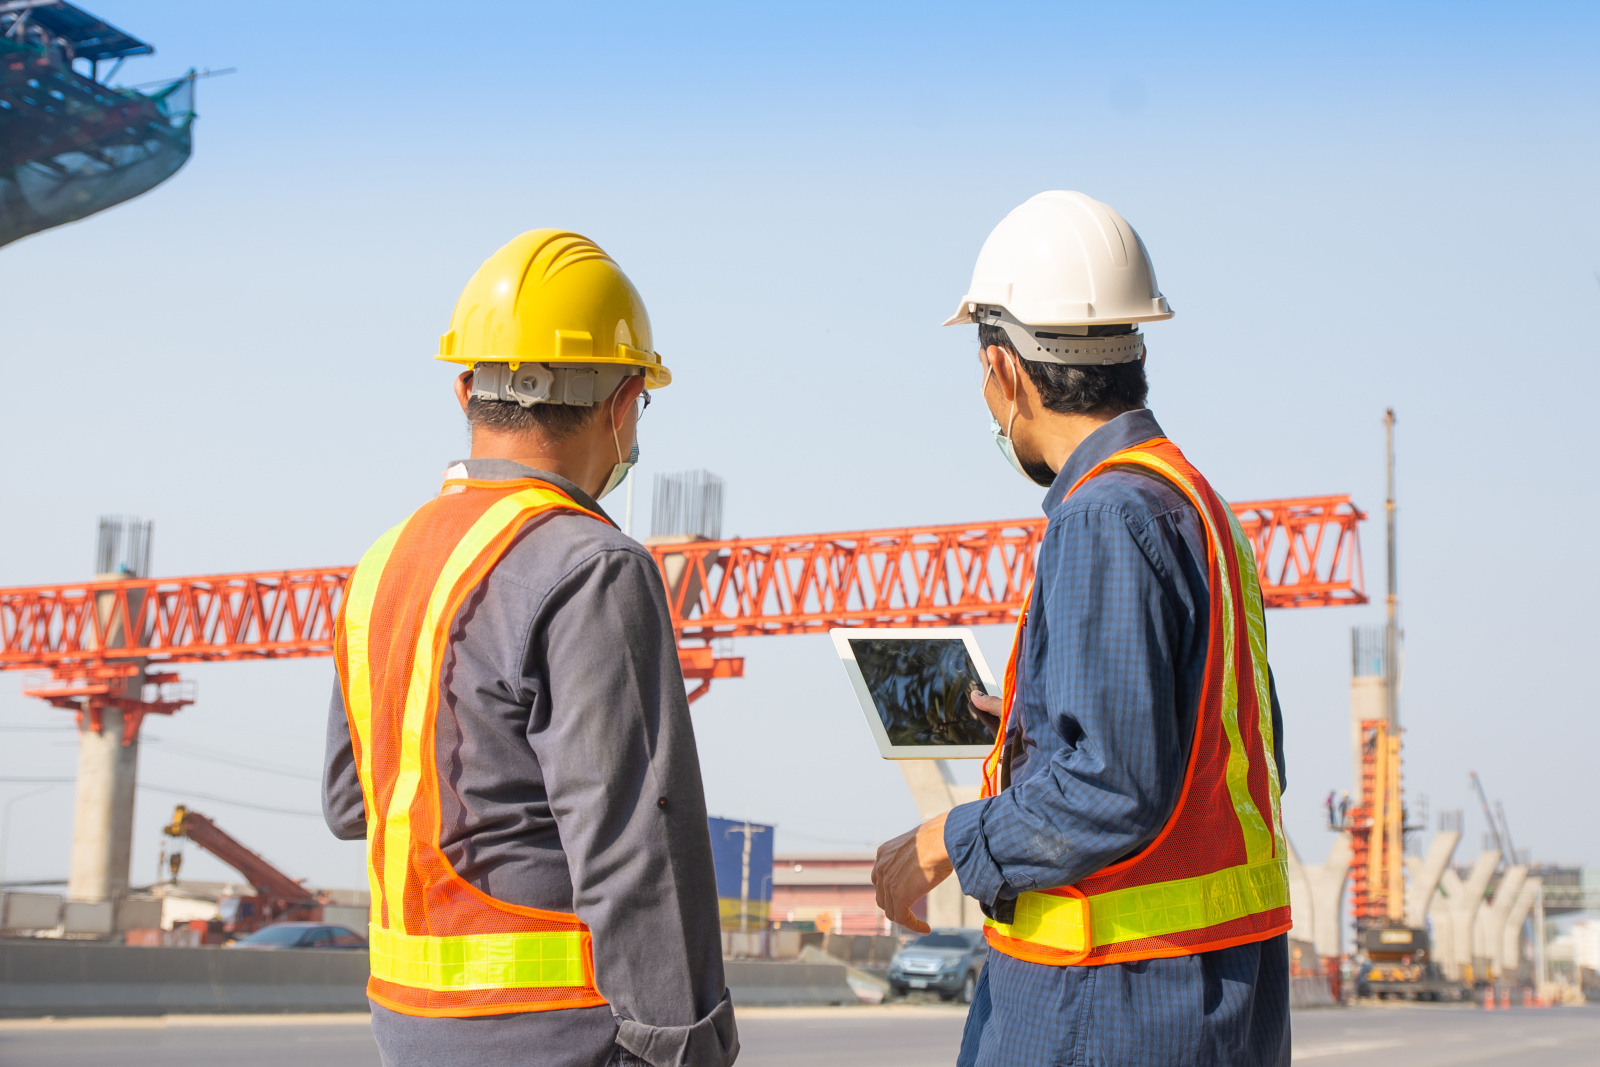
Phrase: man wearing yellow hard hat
(509,730)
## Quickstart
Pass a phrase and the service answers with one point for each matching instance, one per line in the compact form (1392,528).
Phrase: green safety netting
(70,147)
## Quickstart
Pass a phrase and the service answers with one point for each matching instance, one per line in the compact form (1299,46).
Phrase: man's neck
(532,451)
(1060,435)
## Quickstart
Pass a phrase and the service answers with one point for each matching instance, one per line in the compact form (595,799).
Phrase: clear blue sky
(1350,206)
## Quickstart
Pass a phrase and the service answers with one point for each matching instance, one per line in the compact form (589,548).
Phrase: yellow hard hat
(550,296)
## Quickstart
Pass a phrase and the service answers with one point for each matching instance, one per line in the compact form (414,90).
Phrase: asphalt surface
(897,1036)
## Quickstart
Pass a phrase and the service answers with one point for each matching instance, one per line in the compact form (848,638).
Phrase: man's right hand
(986,709)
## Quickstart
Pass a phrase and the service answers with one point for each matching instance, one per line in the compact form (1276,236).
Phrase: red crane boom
(1307,552)
(278,897)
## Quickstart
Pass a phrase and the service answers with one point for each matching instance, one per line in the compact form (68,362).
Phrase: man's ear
(464,389)
(1004,371)
(626,393)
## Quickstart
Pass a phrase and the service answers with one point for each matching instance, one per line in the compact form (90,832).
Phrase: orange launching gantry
(95,637)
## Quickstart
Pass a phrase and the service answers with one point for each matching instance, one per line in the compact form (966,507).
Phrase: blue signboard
(742,852)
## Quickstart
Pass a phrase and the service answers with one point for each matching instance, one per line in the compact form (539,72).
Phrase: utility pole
(627,513)
(748,832)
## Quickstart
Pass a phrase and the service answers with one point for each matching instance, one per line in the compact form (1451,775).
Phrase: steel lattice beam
(1307,550)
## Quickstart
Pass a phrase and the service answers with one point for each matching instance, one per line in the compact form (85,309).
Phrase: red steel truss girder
(919,576)
(1307,550)
(268,615)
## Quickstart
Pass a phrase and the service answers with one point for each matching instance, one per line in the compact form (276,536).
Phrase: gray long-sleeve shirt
(569,781)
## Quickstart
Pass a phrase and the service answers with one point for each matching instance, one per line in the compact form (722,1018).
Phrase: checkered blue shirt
(1108,688)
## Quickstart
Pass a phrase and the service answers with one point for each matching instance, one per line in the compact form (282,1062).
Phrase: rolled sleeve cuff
(711,1042)
(975,868)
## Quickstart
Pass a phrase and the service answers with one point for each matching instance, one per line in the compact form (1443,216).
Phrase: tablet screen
(921,689)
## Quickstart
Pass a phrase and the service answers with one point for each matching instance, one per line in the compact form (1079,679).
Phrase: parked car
(301,935)
(947,961)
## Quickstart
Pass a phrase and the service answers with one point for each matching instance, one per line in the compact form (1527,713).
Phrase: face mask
(1041,475)
(620,470)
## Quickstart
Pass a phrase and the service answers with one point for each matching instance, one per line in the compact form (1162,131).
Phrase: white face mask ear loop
(616,442)
(1017,385)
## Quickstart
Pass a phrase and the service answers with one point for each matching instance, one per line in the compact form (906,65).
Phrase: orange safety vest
(438,945)
(1216,875)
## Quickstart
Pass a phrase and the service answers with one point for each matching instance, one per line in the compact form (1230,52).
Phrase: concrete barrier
(771,983)
(48,977)
(1311,991)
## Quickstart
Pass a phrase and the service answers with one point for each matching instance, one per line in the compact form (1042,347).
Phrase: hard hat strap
(1043,344)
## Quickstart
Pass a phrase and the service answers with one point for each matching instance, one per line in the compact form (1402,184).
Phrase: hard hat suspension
(528,384)
(1063,344)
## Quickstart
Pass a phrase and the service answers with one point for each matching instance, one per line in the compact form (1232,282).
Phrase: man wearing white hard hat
(1128,849)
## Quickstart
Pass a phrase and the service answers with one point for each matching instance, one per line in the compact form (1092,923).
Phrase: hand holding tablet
(916,689)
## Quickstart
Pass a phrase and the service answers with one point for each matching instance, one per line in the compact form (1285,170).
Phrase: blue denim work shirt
(1108,688)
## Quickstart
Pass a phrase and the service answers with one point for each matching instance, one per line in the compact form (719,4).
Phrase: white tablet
(914,686)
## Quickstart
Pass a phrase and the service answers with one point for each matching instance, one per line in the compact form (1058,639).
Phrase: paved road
(900,1036)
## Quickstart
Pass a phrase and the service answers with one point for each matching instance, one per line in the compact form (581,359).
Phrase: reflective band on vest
(479,961)
(1216,875)
(438,945)
(1151,910)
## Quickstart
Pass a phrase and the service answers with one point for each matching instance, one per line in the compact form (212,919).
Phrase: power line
(183,794)
(183,748)
(179,793)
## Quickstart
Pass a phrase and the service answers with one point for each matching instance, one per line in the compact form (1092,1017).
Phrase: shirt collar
(1126,430)
(505,470)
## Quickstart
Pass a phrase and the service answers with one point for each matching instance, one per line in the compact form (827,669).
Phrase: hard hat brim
(967,312)
(656,374)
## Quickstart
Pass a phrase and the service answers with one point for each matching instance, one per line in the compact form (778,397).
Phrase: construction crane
(278,898)
(97,638)
(1392,957)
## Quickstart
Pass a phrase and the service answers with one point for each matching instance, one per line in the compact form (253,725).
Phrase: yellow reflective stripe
(1045,919)
(360,591)
(1255,618)
(545,959)
(422,690)
(1258,839)
(1190,903)
(1153,910)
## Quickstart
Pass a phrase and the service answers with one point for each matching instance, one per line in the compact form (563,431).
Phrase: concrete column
(1422,875)
(102,825)
(1454,911)
(1511,934)
(108,771)
(1369,699)
(1489,932)
(934,790)
(1316,896)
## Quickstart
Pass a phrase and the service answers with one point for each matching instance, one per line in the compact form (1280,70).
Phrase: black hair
(1079,390)
(554,421)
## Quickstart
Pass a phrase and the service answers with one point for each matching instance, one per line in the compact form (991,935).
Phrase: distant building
(831,889)
(1586,943)
(742,853)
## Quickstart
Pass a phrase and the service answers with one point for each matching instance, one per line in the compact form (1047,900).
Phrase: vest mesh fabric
(1221,851)
(439,945)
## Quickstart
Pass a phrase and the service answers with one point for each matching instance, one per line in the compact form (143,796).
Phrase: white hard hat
(1059,263)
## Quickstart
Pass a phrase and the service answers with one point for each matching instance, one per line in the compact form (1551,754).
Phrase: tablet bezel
(842,636)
